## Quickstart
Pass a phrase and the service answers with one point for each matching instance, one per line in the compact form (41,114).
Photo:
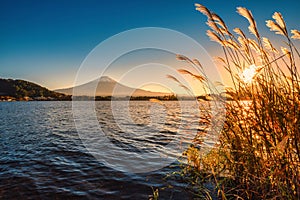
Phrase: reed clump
(258,156)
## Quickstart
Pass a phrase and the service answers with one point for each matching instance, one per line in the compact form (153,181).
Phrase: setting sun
(248,74)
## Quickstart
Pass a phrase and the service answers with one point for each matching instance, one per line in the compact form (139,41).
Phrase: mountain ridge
(106,86)
(16,89)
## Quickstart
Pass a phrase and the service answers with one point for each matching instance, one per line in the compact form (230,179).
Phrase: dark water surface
(42,156)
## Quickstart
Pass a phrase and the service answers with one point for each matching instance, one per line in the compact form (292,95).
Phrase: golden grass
(259,152)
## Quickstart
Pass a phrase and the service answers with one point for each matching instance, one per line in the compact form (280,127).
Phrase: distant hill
(106,86)
(21,90)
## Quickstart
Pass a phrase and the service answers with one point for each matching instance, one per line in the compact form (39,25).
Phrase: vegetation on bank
(25,90)
(258,154)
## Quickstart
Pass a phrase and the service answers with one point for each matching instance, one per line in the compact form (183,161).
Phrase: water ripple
(42,156)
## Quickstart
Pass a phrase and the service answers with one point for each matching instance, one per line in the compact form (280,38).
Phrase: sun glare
(248,74)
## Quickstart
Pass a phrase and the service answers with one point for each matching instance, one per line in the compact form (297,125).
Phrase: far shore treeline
(21,90)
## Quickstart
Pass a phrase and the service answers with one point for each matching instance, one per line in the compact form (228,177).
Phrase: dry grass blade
(184,58)
(213,25)
(173,78)
(275,27)
(296,34)
(248,15)
(279,20)
(279,149)
(268,45)
(198,77)
(214,37)
(203,10)
(239,32)
(219,21)
(181,57)
(197,63)
(285,50)
(219,59)
(184,71)
(254,45)
(243,44)
(252,29)
(232,44)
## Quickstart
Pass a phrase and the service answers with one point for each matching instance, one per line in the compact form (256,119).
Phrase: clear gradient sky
(46,41)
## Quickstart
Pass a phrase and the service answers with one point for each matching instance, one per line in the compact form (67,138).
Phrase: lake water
(43,157)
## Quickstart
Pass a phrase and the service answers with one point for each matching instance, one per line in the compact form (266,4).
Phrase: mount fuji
(106,86)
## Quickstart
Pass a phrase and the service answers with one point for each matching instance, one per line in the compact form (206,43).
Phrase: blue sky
(46,41)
